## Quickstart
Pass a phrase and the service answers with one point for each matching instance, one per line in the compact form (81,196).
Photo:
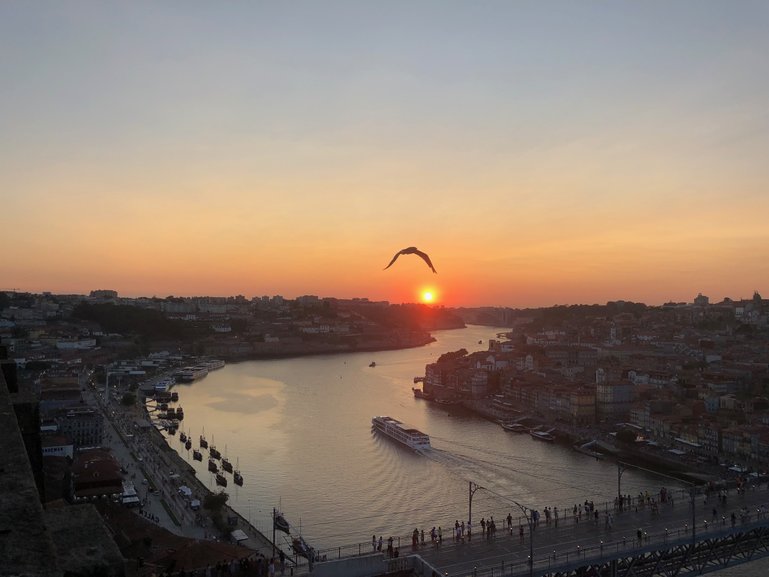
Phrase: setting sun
(428,295)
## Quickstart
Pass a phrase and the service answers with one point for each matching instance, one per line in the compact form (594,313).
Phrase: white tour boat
(409,436)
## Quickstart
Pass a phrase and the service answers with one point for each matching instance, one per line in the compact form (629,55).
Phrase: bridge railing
(637,504)
(545,562)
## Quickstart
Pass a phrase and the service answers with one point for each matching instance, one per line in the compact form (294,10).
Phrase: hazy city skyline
(541,153)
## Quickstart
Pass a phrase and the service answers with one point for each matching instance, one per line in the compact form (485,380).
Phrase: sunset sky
(542,153)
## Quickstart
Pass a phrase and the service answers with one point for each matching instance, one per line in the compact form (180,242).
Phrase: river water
(300,432)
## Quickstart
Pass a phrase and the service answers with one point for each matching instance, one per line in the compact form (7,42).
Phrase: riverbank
(259,351)
(655,461)
(187,476)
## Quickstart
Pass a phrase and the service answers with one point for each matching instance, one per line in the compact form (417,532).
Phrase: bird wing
(426,259)
(397,254)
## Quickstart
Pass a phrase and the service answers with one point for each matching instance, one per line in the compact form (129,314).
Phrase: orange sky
(541,154)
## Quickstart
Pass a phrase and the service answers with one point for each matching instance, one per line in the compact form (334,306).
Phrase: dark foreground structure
(57,542)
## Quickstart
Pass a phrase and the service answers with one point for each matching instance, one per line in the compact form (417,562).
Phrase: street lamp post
(620,470)
(106,389)
(692,490)
(693,493)
(528,514)
(471,491)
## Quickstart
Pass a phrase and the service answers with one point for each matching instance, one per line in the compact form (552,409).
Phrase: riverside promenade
(157,472)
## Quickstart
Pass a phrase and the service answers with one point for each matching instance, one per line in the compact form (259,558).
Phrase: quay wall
(257,540)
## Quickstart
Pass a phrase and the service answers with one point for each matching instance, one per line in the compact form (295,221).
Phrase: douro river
(300,432)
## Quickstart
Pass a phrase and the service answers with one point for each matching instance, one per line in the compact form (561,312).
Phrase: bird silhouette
(412,250)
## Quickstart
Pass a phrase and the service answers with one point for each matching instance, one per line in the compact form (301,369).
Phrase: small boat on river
(197,455)
(212,466)
(221,480)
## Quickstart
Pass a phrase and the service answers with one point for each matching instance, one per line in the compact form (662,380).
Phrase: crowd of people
(585,513)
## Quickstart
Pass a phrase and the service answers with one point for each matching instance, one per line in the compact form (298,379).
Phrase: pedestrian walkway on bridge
(647,522)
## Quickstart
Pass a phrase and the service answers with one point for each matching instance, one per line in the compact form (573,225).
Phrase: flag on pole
(280,523)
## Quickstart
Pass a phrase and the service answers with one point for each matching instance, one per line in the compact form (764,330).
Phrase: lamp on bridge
(692,491)
(527,513)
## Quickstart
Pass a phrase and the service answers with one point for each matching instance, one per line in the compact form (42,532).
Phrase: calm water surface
(300,432)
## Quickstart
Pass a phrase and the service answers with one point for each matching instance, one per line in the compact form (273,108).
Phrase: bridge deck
(574,543)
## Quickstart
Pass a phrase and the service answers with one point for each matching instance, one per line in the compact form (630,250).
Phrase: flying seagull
(412,250)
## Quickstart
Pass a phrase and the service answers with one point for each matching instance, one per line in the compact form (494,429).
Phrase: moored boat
(197,455)
(203,442)
(514,427)
(162,386)
(300,547)
(212,466)
(540,435)
(409,436)
(213,451)
(214,364)
(221,480)
(448,402)
(236,476)
(190,374)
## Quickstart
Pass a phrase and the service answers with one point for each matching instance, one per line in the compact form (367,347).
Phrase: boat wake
(470,468)
(455,462)
(494,470)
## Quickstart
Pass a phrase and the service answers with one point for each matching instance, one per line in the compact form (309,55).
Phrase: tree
(452,356)
(215,501)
